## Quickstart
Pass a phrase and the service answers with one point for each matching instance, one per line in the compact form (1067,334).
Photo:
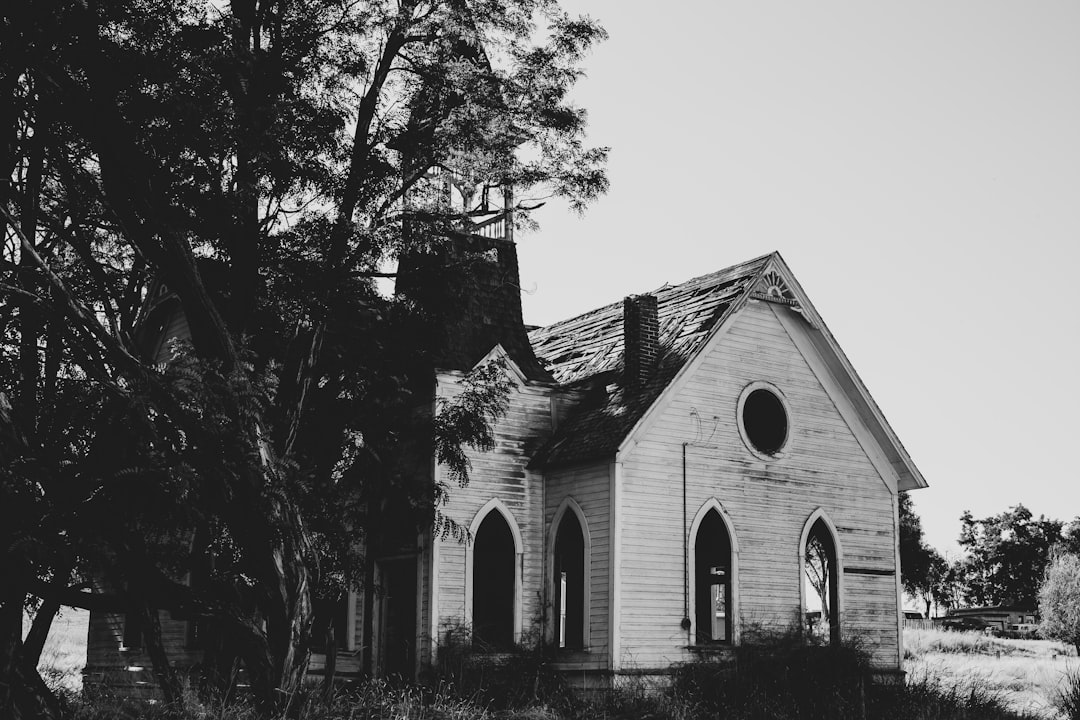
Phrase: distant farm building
(1002,619)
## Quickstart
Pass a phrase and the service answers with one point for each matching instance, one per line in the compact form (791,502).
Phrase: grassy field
(1026,674)
(64,655)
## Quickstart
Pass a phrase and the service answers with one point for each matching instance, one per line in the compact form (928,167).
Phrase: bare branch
(75,310)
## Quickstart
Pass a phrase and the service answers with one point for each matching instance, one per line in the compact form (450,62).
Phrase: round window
(763,419)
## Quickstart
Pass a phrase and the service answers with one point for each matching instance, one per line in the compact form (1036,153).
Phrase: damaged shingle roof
(587,351)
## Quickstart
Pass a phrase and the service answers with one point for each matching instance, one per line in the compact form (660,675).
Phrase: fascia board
(909,475)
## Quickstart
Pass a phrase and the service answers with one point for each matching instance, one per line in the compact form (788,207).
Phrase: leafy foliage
(254,168)
(923,571)
(1059,599)
(1006,554)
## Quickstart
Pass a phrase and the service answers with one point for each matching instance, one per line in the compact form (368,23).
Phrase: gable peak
(775,284)
(772,284)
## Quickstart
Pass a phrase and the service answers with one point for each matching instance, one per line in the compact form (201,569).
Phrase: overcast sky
(916,163)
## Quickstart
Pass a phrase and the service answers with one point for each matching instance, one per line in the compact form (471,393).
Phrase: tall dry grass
(950,675)
(1028,675)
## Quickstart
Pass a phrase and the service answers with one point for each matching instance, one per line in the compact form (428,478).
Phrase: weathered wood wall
(110,664)
(768,502)
(500,474)
(589,486)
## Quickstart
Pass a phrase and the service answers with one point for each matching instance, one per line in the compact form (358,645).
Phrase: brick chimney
(641,338)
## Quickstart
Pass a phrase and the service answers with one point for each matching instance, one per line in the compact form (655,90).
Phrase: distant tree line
(1004,560)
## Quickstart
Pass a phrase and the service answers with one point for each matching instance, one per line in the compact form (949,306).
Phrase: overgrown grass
(927,698)
(1026,675)
(806,691)
(919,642)
(361,701)
(951,676)
(779,679)
(1067,699)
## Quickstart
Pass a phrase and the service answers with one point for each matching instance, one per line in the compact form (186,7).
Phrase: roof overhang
(776,285)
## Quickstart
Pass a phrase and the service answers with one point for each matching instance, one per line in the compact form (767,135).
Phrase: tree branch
(75,310)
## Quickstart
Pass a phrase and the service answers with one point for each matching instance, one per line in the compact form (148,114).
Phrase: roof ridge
(666,286)
(730,269)
(591,343)
(594,311)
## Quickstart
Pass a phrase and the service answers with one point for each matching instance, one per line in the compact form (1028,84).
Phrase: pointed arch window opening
(821,577)
(494,579)
(713,580)
(569,584)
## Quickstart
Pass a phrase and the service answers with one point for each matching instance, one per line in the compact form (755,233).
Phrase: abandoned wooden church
(665,464)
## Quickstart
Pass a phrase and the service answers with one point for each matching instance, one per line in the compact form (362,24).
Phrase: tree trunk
(23,694)
(330,643)
(164,672)
(290,632)
(369,611)
(34,642)
(31,697)
(10,642)
(282,547)
(218,668)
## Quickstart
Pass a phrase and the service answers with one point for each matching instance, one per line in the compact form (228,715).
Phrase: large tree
(922,568)
(1006,555)
(1059,598)
(1070,535)
(263,162)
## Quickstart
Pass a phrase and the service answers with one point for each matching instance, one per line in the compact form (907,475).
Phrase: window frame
(570,505)
(710,505)
(495,505)
(782,451)
(836,635)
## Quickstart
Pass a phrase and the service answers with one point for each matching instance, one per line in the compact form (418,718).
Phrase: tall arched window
(569,581)
(493,582)
(712,580)
(822,579)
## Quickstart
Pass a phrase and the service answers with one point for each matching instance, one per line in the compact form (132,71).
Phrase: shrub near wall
(783,680)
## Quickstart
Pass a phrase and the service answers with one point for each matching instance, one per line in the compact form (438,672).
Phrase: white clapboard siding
(499,474)
(110,664)
(768,503)
(589,486)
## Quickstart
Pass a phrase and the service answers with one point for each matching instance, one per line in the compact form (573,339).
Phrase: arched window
(822,582)
(569,581)
(493,580)
(713,580)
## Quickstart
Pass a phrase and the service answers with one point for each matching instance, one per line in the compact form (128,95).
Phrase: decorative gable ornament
(771,287)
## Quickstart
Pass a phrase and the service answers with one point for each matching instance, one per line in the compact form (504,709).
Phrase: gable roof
(587,351)
(590,347)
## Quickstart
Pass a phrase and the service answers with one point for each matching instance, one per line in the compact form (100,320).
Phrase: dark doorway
(712,580)
(330,621)
(569,581)
(397,617)
(494,556)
